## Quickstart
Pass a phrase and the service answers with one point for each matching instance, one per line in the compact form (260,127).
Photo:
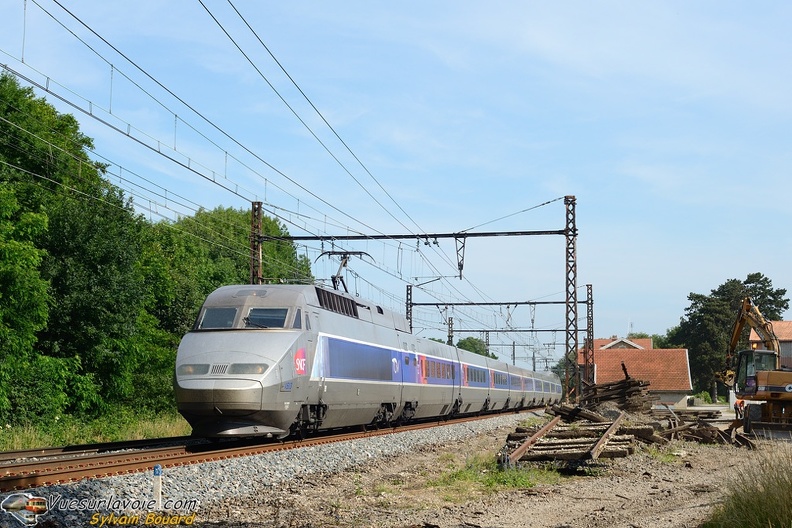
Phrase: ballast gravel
(203,493)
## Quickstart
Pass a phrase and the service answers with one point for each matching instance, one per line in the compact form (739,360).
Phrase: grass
(69,431)
(758,494)
(482,475)
(664,455)
(533,422)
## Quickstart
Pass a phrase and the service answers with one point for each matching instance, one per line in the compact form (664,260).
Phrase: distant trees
(94,298)
(475,345)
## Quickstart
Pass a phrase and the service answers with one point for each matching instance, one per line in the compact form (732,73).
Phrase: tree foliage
(23,292)
(475,345)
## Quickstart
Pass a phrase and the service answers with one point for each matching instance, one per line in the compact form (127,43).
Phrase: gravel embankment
(204,489)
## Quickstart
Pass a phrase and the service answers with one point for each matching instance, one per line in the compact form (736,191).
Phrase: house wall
(678,400)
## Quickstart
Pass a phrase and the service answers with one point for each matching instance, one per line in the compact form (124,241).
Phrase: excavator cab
(749,362)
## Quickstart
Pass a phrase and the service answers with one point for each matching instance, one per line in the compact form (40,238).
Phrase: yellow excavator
(758,376)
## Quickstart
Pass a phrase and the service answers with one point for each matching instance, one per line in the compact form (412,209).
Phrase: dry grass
(759,494)
(67,431)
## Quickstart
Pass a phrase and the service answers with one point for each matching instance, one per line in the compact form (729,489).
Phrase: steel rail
(60,471)
(83,449)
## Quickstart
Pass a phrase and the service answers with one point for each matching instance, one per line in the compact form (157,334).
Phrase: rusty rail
(30,474)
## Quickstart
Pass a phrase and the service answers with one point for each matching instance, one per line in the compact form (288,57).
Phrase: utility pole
(571,374)
(588,344)
(255,243)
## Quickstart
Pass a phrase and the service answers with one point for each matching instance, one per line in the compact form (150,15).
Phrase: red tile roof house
(666,369)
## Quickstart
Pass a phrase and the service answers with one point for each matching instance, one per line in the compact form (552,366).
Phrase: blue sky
(668,121)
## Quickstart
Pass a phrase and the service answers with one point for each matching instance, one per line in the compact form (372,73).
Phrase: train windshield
(266,318)
(217,318)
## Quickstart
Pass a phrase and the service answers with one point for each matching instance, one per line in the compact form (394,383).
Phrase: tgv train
(280,359)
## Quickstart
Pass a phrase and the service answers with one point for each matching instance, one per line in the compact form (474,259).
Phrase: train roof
(315,295)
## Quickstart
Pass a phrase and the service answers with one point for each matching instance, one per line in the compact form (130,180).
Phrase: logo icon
(24,507)
(300,363)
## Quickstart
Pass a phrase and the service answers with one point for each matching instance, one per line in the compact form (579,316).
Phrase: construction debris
(585,440)
(629,394)
(590,431)
(577,433)
(580,434)
(688,414)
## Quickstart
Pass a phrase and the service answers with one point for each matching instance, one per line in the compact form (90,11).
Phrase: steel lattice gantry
(571,371)
(588,345)
(572,374)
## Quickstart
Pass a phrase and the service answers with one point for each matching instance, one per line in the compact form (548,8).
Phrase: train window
(297,319)
(266,318)
(217,318)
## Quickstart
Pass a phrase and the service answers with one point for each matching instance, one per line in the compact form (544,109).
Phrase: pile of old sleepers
(577,433)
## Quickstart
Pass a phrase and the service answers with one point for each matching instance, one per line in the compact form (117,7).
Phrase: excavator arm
(748,314)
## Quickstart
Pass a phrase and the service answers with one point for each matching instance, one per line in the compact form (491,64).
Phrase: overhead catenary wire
(186,104)
(299,118)
(397,275)
(189,166)
(321,115)
(88,197)
(242,248)
(206,119)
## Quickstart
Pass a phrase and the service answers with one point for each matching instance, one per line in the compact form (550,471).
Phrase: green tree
(23,293)
(658,340)
(475,345)
(706,328)
(89,253)
(94,248)
(44,148)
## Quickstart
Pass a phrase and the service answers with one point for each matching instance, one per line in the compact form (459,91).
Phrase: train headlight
(247,368)
(192,370)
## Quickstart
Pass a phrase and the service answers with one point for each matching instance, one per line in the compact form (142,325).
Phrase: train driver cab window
(217,318)
(297,319)
(266,318)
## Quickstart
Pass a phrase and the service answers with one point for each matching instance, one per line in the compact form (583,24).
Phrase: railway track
(44,467)
(9,457)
